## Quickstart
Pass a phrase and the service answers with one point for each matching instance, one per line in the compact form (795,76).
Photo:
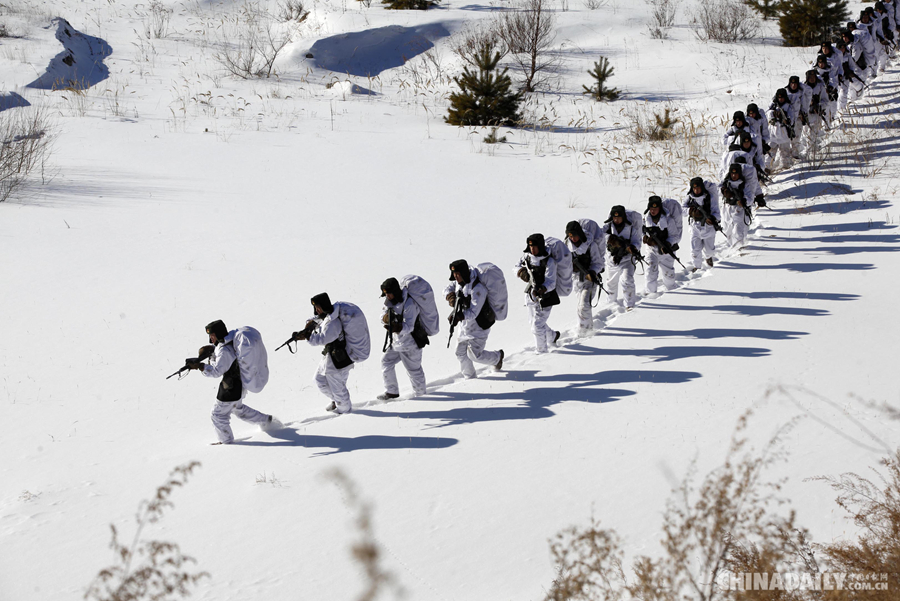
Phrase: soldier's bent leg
(388,374)
(479,355)
(221,419)
(412,361)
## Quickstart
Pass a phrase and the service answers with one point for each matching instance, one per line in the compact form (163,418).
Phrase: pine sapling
(484,98)
(602,72)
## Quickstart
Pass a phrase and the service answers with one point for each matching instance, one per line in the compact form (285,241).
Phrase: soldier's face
(459,278)
(618,220)
(654,211)
(695,188)
(574,239)
(534,249)
(735,176)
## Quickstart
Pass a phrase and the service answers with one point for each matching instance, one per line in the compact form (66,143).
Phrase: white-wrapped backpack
(252,358)
(563,257)
(497,295)
(423,295)
(356,330)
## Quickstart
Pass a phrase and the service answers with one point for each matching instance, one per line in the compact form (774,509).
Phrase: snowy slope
(182,196)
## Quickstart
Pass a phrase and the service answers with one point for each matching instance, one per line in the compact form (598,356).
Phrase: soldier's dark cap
(821,57)
(618,211)
(697,181)
(752,108)
(851,25)
(781,92)
(573,227)
(537,240)
(460,266)
(391,285)
(218,328)
(738,115)
(736,168)
(794,79)
(323,302)
(654,202)
(880,6)
(746,137)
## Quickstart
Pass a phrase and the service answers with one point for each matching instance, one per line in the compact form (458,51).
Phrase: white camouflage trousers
(703,244)
(736,228)
(657,262)
(543,334)
(624,271)
(584,292)
(412,361)
(221,418)
(472,349)
(332,382)
(813,134)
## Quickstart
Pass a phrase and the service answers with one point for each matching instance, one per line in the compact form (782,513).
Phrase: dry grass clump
(148,570)
(727,528)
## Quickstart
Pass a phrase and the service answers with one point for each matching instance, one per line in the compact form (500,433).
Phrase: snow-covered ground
(180,196)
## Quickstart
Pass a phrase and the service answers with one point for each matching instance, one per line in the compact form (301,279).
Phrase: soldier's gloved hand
(522,274)
(675,247)
(540,291)
(301,335)
(206,350)
(647,240)
(451,298)
(397,327)
(192,364)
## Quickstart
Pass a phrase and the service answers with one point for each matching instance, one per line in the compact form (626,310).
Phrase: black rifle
(617,247)
(781,117)
(748,214)
(596,279)
(705,217)
(393,320)
(311,324)
(656,235)
(205,353)
(459,310)
(531,290)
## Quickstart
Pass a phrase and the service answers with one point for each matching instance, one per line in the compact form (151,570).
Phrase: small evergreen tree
(602,71)
(484,98)
(809,22)
(767,9)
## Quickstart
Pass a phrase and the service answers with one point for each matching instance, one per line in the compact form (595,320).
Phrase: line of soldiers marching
(756,144)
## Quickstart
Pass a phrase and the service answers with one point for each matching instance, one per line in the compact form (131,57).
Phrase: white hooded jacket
(408,310)
(477,294)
